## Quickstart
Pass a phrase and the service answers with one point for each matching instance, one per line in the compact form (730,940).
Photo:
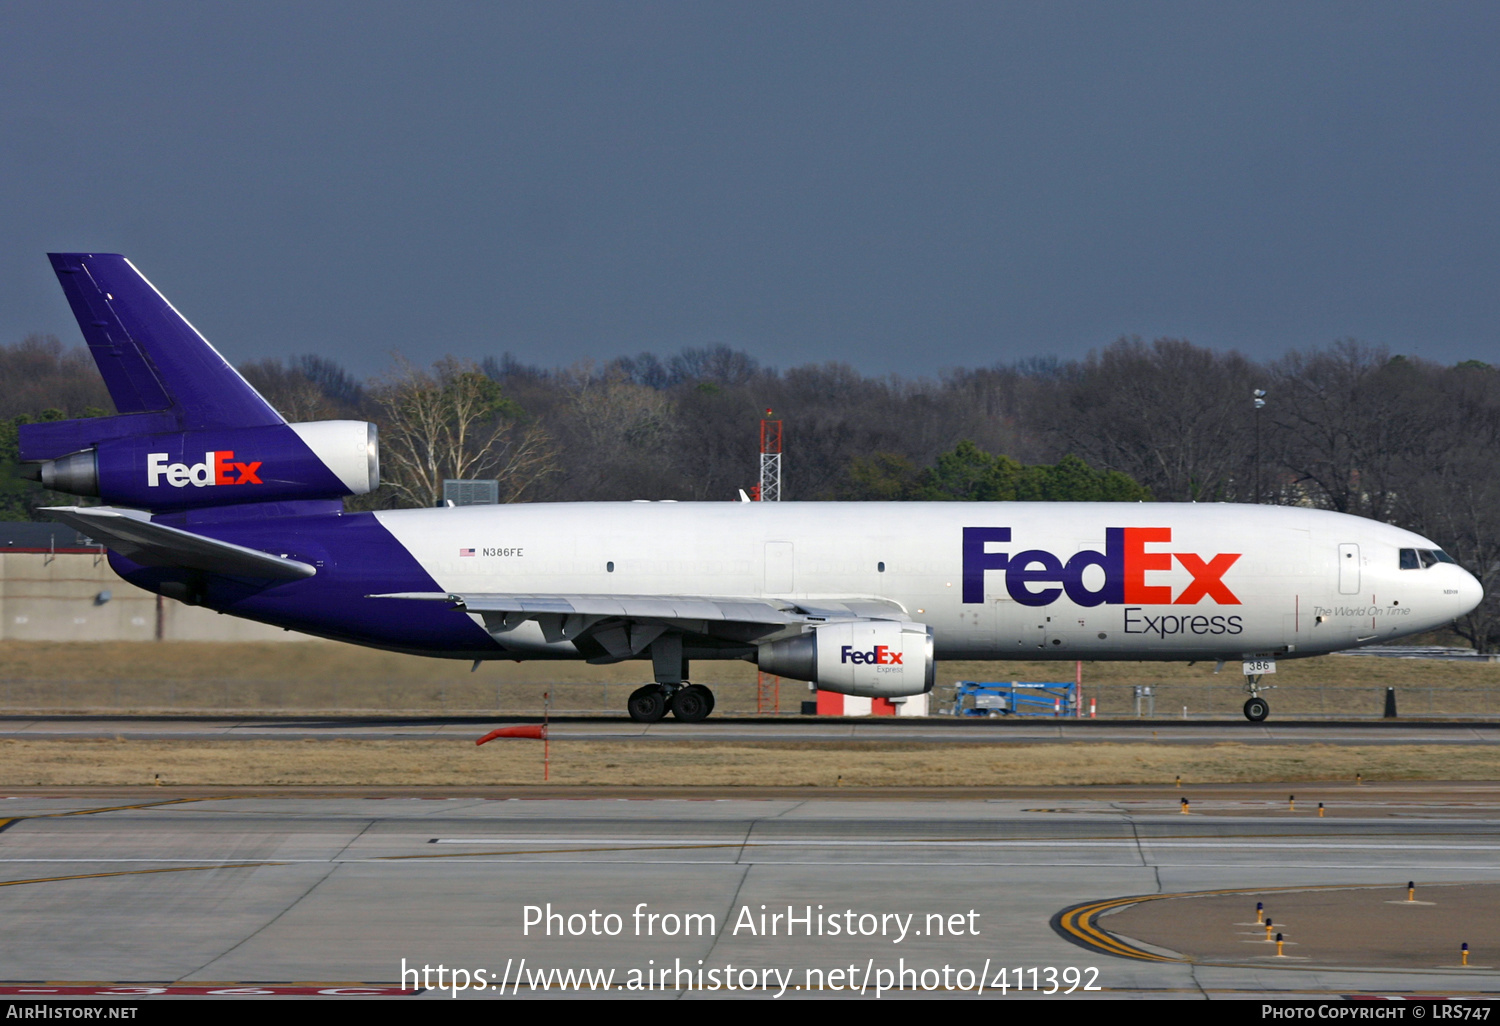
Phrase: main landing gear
(1256,708)
(690,703)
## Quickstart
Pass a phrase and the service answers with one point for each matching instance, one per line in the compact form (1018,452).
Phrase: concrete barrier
(75,596)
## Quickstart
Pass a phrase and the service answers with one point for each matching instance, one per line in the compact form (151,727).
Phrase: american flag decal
(466,552)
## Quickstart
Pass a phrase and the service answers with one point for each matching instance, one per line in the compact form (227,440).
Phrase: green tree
(1073,480)
(970,474)
(20,496)
(883,477)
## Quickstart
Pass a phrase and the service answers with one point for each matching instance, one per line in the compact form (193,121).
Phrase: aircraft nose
(1470,593)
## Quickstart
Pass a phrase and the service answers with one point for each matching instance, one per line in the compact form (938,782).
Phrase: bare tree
(1171,415)
(617,435)
(454,422)
(1449,491)
(37,374)
(1345,418)
(291,392)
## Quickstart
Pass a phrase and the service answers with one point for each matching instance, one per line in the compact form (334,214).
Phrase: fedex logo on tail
(217,468)
(1036,577)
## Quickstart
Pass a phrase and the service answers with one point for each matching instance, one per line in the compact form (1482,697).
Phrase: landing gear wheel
(647,704)
(1256,709)
(708,695)
(693,703)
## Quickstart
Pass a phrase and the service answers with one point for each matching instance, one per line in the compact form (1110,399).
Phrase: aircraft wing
(134,536)
(667,607)
(608,628)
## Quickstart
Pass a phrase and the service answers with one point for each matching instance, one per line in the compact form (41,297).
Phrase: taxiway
(334,888)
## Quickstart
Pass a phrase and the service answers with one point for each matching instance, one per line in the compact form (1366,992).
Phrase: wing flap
(135,537)
(666,607)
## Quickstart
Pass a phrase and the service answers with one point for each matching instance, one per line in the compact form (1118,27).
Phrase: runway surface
(812,730)
(331,889)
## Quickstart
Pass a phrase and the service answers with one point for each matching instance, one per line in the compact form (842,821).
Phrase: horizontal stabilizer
(49,439)
(135,537)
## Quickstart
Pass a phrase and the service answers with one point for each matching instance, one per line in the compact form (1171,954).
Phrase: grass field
(455,762)
(267,679)
(318,676)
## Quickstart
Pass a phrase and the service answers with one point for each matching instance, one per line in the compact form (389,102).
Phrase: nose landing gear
(1256,708)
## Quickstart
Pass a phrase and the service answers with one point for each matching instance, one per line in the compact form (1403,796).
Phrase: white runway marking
(637,844)
(1126,842)
(529,858)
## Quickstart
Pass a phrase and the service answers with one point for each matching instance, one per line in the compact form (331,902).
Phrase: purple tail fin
(151,358)
(190,433)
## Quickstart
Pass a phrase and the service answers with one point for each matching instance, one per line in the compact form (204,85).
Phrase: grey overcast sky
(901,186)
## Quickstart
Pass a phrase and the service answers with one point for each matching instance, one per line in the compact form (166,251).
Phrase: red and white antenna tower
(769,489)
(768,687)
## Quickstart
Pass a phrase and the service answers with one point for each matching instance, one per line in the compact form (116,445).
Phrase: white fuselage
(1301,581)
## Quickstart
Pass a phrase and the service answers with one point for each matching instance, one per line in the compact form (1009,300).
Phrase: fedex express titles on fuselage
(1251,579)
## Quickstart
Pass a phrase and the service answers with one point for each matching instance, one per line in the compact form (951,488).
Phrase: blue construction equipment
(1016,698)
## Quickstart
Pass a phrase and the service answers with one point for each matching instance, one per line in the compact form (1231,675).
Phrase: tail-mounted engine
(320,460)
(872,658)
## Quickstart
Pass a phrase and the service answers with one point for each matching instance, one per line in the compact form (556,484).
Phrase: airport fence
(1193,701)
(480,697)
(345,698)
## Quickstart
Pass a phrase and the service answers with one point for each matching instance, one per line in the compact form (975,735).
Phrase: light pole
(1259,395)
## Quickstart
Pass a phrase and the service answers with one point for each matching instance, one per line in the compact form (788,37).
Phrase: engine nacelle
(320,460)
(871,658)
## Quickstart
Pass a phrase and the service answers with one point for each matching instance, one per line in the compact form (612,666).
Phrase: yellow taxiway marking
(1078,923)
(138,872)
(6,823)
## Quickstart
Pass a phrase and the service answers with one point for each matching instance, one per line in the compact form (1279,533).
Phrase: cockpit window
(1421,559)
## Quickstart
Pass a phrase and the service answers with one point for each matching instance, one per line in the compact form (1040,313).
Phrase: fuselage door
(780,568)
(1348,569)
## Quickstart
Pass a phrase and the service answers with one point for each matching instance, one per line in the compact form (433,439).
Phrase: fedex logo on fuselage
(1036,577)
(880,655)
(217,468)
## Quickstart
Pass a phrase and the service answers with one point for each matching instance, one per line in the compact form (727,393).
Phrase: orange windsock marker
(534,732)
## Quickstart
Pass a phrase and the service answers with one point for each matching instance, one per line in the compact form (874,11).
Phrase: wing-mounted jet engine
(871,658)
